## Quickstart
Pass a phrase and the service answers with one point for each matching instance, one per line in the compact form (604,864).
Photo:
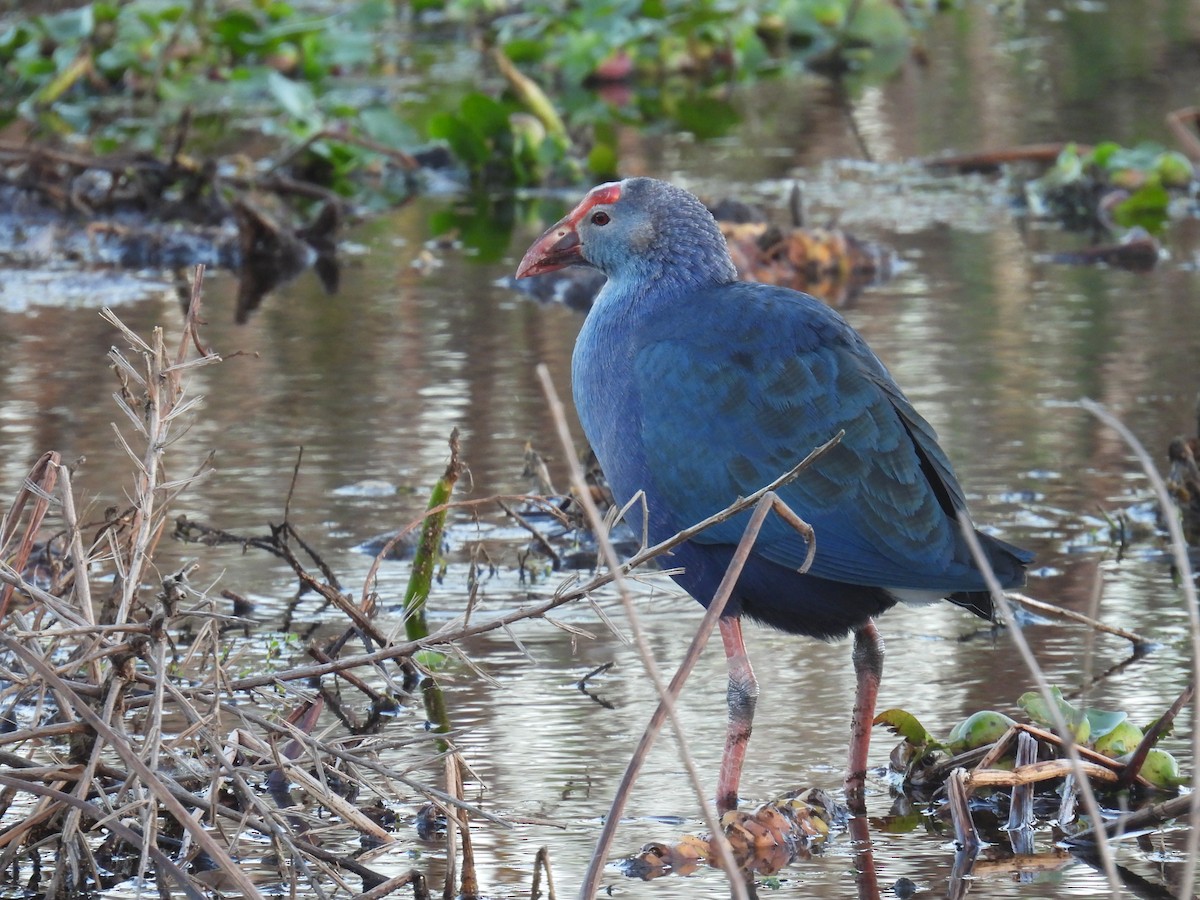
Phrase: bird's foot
(726,803)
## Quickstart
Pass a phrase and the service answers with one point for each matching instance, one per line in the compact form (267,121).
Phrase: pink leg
(868,668)
(743,694)
(865,878)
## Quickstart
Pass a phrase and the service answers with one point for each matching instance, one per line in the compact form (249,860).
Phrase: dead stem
(766,501)
(1141,645)
(666,707)
(1060,725)
(39,485)
(117,673)
(540,538)
(413,877)
(1162,725)
(1188,584)
(149,778)
(541,862)
(122,831)
(1147,817)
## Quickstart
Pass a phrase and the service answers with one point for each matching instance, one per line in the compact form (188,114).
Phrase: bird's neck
(643,291)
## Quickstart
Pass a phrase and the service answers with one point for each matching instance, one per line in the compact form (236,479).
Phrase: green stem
(421,580)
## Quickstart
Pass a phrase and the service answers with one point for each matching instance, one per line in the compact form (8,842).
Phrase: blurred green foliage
(121,74)
(1108,732)
(500,144)
(698,38)
(670,61)
(1111,185)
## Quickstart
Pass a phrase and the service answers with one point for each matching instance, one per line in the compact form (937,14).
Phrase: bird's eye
(600,218)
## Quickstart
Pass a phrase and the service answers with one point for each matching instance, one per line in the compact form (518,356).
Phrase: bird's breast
(609,404)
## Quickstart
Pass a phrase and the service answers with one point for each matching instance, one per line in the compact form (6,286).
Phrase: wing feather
(727,409)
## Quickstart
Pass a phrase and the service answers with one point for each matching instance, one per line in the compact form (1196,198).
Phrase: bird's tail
(1008,563)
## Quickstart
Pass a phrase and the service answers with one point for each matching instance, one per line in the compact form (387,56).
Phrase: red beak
(557,248)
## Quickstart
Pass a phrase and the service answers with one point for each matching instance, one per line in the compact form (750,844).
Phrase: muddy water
(993,342)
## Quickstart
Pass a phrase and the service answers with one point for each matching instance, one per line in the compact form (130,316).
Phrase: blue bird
(697,389)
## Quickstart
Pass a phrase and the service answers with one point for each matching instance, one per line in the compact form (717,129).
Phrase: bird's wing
(741,385)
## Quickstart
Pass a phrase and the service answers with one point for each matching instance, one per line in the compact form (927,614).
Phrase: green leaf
(1141,158)
(371,14)
(602,162)
(525,50)
(906,725)
(1102,721)
(1068,168)
(238,30)
(296,98)
(1036,708)
(1146,207)
(484,114)
(1161,769)
(71,26)
(1124,738)
(431,660)
(878,23)
(978,730)
(464,142)
(1175,170)
(1103,152)
(386,126)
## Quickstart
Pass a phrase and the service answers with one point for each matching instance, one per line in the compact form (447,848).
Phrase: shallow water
(992,342)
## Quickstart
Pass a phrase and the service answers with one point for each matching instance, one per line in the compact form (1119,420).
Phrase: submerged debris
(1183,481)
(763,840)
(141,212)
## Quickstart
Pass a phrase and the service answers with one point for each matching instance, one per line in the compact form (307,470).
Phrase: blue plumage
(698,389)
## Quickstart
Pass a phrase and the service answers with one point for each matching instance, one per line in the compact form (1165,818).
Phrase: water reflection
(992,343)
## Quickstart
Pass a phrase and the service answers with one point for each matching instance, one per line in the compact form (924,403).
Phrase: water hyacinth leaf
(1161,769)
(1143,158)
(1103,152)
(906,725)
(1118,741)
(464,142)
(486,116)
(1175,170)
(238,30)
(978,730)
(69,26)
(878,23)
(387,126)
(1146,207)
(343,50)
(1035,707)
(1102,722)
(296,99)
(1068,167)
(371,14)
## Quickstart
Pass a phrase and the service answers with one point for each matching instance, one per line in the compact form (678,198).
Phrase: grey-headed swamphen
(698,389)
